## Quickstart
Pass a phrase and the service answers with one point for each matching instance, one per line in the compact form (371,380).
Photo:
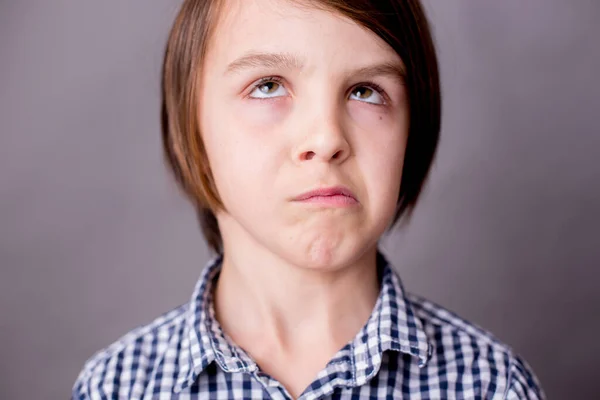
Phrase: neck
(265,303)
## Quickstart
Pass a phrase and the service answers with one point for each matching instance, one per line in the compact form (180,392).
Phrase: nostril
(309,155)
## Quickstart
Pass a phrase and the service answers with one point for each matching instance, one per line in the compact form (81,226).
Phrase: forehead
(294,27)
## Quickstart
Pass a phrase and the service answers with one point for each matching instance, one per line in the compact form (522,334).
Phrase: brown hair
(400,23)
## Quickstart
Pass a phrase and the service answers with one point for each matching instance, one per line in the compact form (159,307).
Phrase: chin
(326,254)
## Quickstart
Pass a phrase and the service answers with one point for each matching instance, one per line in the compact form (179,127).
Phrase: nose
(325,139)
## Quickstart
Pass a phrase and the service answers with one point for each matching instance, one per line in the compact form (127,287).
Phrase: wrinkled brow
(286,61)
(268,60)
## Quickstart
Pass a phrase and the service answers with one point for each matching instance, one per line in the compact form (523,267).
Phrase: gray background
(94,238)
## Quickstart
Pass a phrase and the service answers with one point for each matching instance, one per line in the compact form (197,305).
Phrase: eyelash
(279,81)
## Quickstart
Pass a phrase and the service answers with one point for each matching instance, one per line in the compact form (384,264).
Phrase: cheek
(241,145)
(261,115)
(383,185)
(380,148)
(370,116)
(255,135)
(385,172)
(381,134)
(376,118)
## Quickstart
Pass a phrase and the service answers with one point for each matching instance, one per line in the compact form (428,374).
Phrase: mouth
(332,196)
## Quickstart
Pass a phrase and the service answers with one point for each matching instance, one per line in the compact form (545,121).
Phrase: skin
(299,280)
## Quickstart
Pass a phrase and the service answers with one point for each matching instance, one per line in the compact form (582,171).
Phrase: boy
(302,131)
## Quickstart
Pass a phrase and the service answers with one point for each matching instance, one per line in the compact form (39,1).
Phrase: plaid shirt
(409,348)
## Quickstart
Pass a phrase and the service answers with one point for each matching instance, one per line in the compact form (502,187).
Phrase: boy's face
(316,121)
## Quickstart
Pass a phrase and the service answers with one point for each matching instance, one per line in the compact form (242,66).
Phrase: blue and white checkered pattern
(410,348)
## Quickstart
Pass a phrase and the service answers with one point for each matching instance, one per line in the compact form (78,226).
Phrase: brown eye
(363,92)
(268,87)
(368,94)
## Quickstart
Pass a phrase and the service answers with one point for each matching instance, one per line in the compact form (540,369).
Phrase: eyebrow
(390,69)
(289,61)
(268,60)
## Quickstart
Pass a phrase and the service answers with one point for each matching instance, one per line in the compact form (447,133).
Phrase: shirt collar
(393,325)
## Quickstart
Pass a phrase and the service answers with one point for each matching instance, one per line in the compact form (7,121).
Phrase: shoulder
(436,318)
(523,383)
(126,364)
(473,353)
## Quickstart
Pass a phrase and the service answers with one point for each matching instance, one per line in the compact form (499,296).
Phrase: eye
(370,93)
(268,88)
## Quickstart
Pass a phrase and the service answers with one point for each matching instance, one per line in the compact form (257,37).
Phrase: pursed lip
(326,191)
